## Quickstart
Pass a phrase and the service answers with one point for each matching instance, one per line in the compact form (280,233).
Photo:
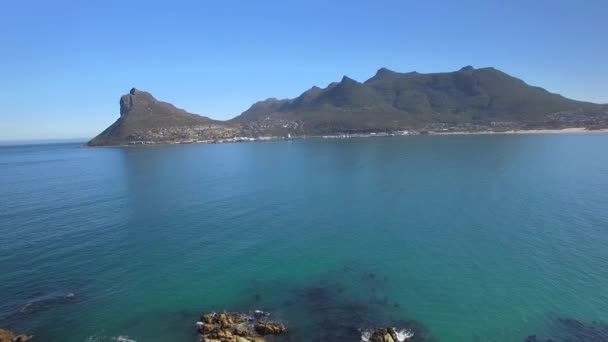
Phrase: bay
(476,238)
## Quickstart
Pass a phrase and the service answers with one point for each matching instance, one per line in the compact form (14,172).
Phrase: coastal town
(434,129)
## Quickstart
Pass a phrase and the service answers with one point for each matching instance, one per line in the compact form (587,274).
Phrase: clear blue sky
(64,64)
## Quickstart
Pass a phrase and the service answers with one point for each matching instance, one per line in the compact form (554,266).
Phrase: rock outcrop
(268,328)
(237,327)
(8,336)
(386,335)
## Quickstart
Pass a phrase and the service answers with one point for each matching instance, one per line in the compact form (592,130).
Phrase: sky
(65,64)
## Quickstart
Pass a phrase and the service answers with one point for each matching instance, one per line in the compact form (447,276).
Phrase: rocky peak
(269,103)
(308,96)
(467,68)
(312,92)
(331,85)
(134,98)
(384,72)
(346,79)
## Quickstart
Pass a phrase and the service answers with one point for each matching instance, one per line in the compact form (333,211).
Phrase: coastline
(569,130)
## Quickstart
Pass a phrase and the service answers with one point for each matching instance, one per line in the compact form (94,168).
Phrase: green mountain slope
(141,114)
(392,100)
(467,99)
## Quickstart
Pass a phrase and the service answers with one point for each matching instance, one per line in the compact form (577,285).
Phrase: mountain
(391,100)
(467,99)
(143,118)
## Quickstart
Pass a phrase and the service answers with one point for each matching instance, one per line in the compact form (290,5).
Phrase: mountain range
(469,99)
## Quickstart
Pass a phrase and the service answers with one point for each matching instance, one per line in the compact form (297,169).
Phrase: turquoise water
(476,238)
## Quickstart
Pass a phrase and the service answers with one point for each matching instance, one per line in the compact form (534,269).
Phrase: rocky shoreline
(257,327)
(238,327)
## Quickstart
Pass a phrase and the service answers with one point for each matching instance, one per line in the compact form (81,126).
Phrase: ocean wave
(123,339)
(401,335)
(118,338)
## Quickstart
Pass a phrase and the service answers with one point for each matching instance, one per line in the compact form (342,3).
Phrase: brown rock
(242,331)
(388,338)
(267,328)
(382,335)
(224,335)
(6,336)
(235,318)
(208,318)
(208,328)
(222,319)
(223,338)
(228,327)
(22,338)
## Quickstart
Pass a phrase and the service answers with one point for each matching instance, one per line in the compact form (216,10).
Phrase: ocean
(465,238)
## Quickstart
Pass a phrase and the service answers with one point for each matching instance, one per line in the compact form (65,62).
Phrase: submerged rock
(43,302)
(573,330)
(533,338)
(237,327)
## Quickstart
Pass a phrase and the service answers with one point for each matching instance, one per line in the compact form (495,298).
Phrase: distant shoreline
(527,131)
(340,136)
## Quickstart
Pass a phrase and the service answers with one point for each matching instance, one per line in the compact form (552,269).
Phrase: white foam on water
(120,338)
(403,334)
(366,335)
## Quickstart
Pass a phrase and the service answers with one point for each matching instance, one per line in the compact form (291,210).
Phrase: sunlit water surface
(475,238)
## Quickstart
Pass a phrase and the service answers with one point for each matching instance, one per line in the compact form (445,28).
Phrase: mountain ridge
(469,98)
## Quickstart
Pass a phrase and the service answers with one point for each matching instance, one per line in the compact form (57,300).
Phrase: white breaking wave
(106,338)
(403,334)
(366,335)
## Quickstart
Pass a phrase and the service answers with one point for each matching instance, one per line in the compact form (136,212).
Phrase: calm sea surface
(475,238)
